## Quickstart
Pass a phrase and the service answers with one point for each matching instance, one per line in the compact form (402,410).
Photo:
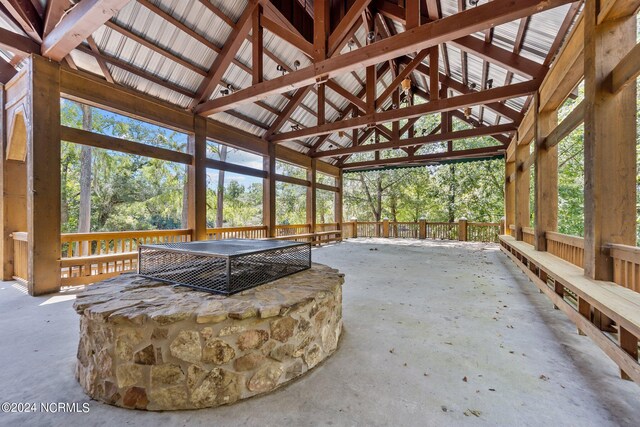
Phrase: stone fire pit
(148,345)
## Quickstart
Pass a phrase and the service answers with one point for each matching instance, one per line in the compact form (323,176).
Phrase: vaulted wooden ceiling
(329,79)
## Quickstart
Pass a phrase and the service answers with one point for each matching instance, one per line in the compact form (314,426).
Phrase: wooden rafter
(26,15)
(54,13)
(226,56)
(344,29)
(78,24)
(17,44)
(291,106)
(101,61)
(424,36)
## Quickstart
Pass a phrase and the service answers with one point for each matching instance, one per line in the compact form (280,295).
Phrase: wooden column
(311,196)
(13,112)
(43,177)
(269,192)
(546,177)
(609,143)
(462,229)
(337,201)
(521,191)
(422,228)
(509,194)
(197,180)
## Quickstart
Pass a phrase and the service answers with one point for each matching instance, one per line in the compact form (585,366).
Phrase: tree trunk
(220,207)
(452,193)
(84,217)
(185,199)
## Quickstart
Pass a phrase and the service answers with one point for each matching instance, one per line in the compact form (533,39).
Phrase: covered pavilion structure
(336,87)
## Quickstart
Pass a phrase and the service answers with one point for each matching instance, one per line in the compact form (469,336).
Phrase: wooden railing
(20,256)
(462,230)
(569,248)
(91,257)
(292,229)
(251,232)
(409,230)
(442,230)
(483,232)
(369,229)
(626,265)
(528,235)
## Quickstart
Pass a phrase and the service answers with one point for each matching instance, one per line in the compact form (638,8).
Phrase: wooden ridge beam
(440,105)
(424,36)
(79,136)
(78,24)
(427,158)
(419,140)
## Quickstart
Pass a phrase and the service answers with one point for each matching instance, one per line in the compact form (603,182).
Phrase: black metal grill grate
(223,266)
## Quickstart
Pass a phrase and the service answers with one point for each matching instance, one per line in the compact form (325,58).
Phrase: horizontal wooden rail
(233,168)
(79,136)
(251,232)
(568,125)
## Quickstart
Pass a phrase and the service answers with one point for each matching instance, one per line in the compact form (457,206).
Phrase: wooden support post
(395,126)
(629,343)
(509,194)
(559,289)
(311,196)
(546,176)
(257,47)
(521,192)
(412,13)
(197,180)
(354,231)
(371,89)
(434,74)
(385,227)
(462,229)
(269,192)
(43,182)
(337,201)
(422,228)
(14,190)
(584,308)
(609,143)
(321,29)
(321,104)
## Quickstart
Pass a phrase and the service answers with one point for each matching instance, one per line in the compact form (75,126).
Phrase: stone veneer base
(148,345)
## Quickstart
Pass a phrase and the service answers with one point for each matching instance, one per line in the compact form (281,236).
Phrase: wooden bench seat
(594,298)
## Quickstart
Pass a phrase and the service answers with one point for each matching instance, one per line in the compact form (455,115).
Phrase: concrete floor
(436,333)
